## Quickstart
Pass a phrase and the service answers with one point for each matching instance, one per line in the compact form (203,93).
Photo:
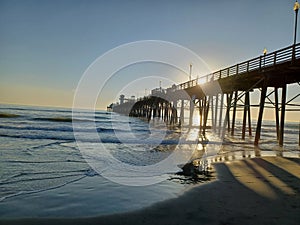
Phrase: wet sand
(251,191)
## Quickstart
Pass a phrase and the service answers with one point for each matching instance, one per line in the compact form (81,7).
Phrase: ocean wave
(103,113)
(46,162)
(8,115)
(115,122)
(111,130)
(107,136)
(46,137)
(144,141)
(108,130)
(101,117)
(37,109)
(71,119)
(59,129)
(61,138)
(60,119)
(70,129)
(11,108)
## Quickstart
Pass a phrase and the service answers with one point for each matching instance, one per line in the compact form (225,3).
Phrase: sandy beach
(251,191)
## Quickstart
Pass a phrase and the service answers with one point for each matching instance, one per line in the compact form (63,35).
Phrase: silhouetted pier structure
(226,88)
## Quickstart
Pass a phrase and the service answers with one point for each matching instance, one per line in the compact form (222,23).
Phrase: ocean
(43,173)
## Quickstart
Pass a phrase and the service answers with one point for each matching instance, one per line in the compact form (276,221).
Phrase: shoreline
(262,190)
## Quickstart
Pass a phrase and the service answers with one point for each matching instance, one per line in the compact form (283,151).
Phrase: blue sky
(47,45)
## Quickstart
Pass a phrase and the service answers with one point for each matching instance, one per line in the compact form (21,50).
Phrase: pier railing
(288,54)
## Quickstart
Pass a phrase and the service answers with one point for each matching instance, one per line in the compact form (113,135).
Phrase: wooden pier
(219,95)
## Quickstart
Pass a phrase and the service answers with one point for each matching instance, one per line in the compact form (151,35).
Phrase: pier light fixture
(191,65)
(265,51)
(296,6)
(296,9)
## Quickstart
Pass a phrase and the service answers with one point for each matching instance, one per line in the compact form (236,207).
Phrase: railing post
(227,72)
(237,69)
(294,53)
(260,62)
(275,58)
(248,66)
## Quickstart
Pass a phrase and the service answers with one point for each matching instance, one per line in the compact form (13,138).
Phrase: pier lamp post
(191,71)
(296,9)
(265,52)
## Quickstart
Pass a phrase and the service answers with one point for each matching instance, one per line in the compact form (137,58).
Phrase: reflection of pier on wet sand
(251,191)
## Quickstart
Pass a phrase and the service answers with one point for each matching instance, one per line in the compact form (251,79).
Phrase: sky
(46,46)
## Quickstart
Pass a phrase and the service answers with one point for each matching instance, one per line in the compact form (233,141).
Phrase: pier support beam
(246,111)
(260,114)
(234,112)
(216,112)
(212,113)
(182,112)
(249,117)
(201,109)
(221,114)
(175,113)
(229,99)
(227,116)
(283,100)
(276,112)
(191,112)
(206,110)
